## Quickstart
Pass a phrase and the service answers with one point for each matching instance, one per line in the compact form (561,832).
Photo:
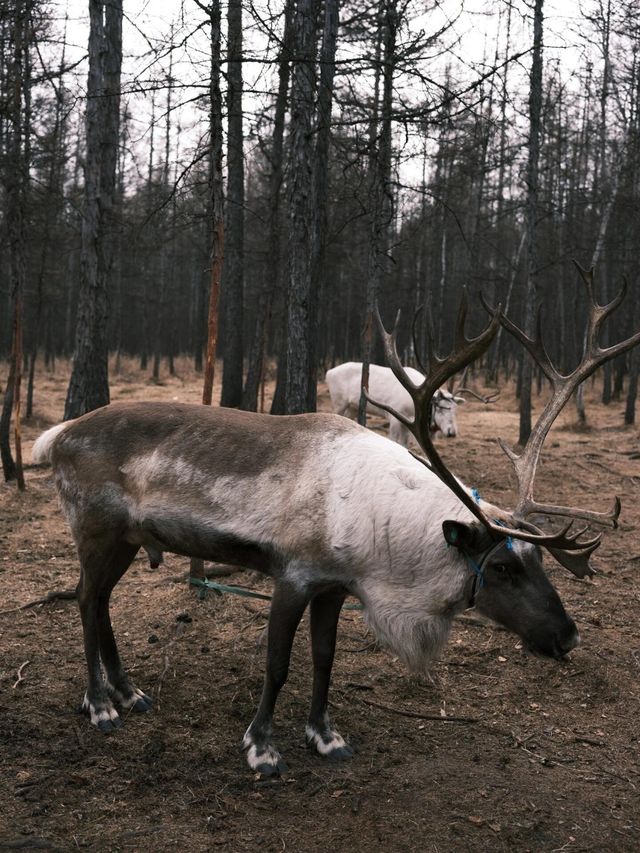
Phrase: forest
(289,167)
(206,202)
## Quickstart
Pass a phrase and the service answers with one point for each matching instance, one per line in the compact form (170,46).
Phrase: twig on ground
(436,718)
(21,669)
(56,595)
(180,629)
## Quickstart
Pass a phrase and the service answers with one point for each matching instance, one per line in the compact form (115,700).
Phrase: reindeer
(344,383)
(327,509)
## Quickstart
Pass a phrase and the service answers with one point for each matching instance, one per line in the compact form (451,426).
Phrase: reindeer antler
(563,386)
(525,464)
(439,370)
(484,398)
(565,545)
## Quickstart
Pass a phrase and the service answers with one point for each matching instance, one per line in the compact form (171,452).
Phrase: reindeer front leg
(287,606)
(325,613)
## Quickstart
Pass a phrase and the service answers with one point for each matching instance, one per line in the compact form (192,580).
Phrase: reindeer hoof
(106,726)
(270,771)
(129,697)
(263,759)
(101,714)
(143,704)
(329,744)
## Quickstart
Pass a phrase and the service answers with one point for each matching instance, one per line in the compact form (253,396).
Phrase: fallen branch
(436,718)
(21,669)
(216,571)
(56,595)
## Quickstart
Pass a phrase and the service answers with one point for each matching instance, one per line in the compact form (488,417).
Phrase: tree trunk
(535,107)
(167,235)
(89,383)
(216,196)
(216,202)
(255,370)
(301,323)
(16,180)
(233,273)
(381,196)
(321,179)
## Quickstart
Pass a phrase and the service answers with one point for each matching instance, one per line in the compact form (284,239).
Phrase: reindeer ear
(459,400)
(461,535)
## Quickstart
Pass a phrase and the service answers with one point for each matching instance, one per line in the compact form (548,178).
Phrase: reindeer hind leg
(102,564)
(120,687)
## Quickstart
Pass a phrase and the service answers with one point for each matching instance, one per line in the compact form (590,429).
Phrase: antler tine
(391,353)
(570,553)
(461,338)
(414,337)
(597,313)
(534,346)
(602,518)
(576,561)
(541,356)
(587,278)
(484,398)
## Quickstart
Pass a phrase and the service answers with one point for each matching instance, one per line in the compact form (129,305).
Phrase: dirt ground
(545,760)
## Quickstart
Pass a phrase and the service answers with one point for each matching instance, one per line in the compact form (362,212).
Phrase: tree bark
(381,215)
(301,322)
(216,201)
(321,180)
(535,107)
(89,383)
(257,354)
(16,180)
(233,273)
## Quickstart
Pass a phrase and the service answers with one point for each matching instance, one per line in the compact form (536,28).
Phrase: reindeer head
(504,546)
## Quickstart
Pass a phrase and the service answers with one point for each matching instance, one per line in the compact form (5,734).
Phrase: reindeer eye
(500,568)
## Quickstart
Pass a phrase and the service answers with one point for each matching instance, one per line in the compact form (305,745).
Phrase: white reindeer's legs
(398,432)
(325,612)
(287,607)
(101,568)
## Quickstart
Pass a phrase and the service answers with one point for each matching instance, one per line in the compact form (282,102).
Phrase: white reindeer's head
(444,409)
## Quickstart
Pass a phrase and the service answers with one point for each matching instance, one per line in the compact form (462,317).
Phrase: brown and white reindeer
(327,509)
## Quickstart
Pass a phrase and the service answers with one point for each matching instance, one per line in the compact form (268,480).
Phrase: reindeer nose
(571,640)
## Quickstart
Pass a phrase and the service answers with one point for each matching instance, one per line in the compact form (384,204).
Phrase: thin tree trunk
(301,323)
(381,194)
(217,214)
(233,273)
(535,107)
(321,178)
(217,205)
(89,384)
(16,180)
(257,355)
(167,235)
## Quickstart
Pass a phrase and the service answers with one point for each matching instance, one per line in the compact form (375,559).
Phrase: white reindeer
(344,383)
(327,509)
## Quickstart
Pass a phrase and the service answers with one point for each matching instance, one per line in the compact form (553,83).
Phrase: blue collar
(478,568)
